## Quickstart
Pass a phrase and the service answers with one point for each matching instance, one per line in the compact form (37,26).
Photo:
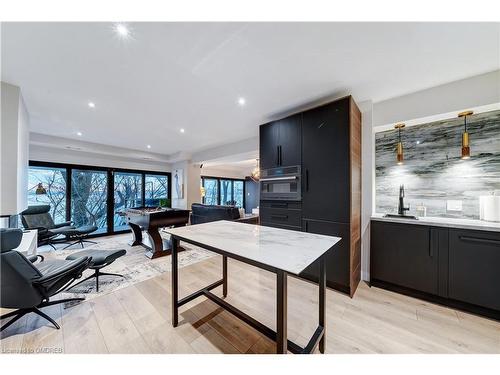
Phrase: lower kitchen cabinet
(474,267)
(455,267)
(402,255)
(337,259)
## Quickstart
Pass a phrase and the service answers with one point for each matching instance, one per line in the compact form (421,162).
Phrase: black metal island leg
(281,316)
(175,280)
(224,276)
(322,305)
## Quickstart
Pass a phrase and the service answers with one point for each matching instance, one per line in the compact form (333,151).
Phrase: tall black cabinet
(326,142)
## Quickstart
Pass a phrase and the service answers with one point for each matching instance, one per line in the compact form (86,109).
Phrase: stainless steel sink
(401,216)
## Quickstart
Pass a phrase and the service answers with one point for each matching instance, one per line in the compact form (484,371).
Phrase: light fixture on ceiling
(148,146)
(79,134)
(91,105)
(255,175)
(182,130)
(122,30)
(465,136)
(418,142)
(241,101)
(400,156)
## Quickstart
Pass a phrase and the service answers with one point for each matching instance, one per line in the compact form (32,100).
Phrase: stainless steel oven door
(281,188)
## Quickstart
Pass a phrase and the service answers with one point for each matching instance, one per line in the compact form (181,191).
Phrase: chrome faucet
(401,205)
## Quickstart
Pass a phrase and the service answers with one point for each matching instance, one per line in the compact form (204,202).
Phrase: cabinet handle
(281,217)
(431,242)
(480,240)
(281,157)
(307,179)
(279,205)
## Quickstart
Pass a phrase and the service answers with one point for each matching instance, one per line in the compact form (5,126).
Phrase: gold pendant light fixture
(465,135)
(400,156)
(255,175)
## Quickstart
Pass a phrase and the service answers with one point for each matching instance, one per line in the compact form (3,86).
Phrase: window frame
(219,187)
(110,187)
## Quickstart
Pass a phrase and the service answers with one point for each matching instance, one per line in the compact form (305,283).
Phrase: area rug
(134,266)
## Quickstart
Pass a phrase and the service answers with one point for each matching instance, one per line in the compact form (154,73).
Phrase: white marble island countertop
(287,250)
(443,222)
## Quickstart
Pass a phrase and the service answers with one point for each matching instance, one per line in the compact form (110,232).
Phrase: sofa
(204,213)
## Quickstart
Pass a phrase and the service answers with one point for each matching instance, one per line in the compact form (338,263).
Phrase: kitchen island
(283,252)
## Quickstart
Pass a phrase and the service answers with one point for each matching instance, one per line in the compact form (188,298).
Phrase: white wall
(192,194)
(475,91)
(225,172)
(58,155)
(14,151)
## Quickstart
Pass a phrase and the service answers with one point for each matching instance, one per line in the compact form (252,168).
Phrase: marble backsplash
(433,172)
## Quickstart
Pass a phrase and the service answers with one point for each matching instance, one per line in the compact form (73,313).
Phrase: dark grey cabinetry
(474,267)
(456,267)
(280,142)
(402,255)
(281,214)
(325,170)
(337,260)
(326,143)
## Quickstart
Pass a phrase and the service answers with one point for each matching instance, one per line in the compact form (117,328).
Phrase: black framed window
(89,198)
(53,180)
(92,195)
(224,191)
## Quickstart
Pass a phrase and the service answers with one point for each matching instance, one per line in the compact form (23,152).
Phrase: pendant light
(255,175)
(400,156)
(465,135)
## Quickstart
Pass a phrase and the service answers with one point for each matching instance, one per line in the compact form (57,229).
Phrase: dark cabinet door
(289,143)
(402,254)
(337,259)
(325,156)
(474,267)
(268,136)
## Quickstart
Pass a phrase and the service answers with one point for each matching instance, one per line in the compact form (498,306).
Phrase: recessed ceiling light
(91,105)
(418,142)
(148,146)
(79,134)
(241,101)
(182,130)
(122,30)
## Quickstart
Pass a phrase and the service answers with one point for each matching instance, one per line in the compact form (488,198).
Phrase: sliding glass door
(156,190)
(224,191)
(127,194)
(89,198)
(47,185)
(91,195)
(211,186)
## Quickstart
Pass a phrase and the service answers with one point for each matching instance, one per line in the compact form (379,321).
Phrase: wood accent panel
(355,186)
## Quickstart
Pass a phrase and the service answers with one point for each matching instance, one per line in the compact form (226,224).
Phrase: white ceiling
(169,76)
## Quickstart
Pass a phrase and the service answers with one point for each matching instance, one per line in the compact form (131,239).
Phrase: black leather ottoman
(99,259)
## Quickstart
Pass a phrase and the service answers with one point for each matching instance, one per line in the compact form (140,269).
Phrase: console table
(280,251)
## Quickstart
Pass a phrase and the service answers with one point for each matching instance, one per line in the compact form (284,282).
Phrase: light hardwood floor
(136,319)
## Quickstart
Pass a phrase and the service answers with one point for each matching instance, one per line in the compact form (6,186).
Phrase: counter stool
(99,259)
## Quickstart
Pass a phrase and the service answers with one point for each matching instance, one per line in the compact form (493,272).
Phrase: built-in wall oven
(281,183)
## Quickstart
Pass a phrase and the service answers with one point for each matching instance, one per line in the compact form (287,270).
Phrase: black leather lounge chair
(27,287)
(38,217)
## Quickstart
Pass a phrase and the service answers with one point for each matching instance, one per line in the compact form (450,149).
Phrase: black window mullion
(69,182)
(111,202)
(143,195)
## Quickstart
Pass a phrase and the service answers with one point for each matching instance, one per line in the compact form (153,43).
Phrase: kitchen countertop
(443,222)
(288,250)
